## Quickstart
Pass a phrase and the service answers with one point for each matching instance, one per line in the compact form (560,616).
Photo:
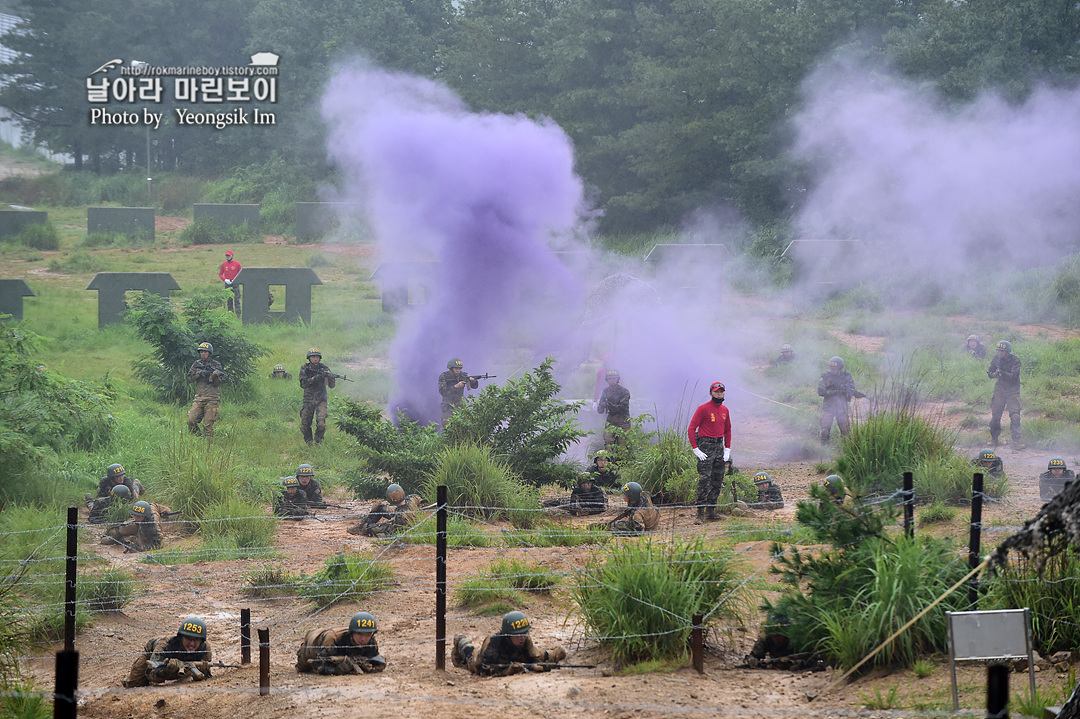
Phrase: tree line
(671,105)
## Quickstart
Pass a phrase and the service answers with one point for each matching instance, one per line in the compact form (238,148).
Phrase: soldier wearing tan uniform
(207,375)
(348,650)
(187,654)
(511,651)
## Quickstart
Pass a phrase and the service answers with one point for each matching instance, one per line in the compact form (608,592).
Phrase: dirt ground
(411,687)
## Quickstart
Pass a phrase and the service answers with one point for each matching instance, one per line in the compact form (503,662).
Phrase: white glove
(595,405)
(727,454)
(700,455)
(228,283)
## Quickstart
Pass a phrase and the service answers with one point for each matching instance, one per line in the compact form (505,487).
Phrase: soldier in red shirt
(710,438)
(230,268)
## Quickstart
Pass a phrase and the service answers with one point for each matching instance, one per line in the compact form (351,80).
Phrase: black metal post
(67,682)
(975,537)
(245,636)
(264,662)
(440,580)
(997,691)
(697,643)
(69,579)
(909,504)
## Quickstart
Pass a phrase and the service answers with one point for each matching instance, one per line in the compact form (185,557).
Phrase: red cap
(716,386)
(228,253)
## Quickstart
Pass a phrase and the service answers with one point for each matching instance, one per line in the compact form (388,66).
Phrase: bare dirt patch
(859,343)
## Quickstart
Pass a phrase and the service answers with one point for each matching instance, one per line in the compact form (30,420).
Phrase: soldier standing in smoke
(837,387)
(615,403)
(452,387)
(1005,368)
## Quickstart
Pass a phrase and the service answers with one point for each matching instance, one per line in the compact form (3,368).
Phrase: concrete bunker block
(131,221)
(112,286)
(256,282)
(11,297)
(317,219)
(12,222)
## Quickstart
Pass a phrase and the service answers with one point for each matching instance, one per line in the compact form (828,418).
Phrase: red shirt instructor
(230,268)
(710,438)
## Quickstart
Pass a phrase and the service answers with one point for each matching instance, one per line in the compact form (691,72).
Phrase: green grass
(269,582)
(506,582)
(345,576)
(922,668)
(877,700)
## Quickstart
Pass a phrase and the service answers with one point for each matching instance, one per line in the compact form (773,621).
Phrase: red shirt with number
(710,420)
(229,270)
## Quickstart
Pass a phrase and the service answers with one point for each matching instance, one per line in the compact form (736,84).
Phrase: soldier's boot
(710,513)
(89,501)
(320,432)
(193,427)
(700,516)
(307,434)
(462,651)
(824,437)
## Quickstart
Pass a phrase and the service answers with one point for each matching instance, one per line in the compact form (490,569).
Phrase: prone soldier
(389,517)
(974,347)
(1052,482)
(837,387)
(207,374)
(305,474)
(768,493)
(452,385)
(279,373)
(167,658)
(141,533)
(102,507)
(640,514)
(511,651)
(841,496)
(1005,369)
(291,503)
(990,464)
(586,499)
(787,354)
(348,650)
(604,471)
(315,377)
(114,475)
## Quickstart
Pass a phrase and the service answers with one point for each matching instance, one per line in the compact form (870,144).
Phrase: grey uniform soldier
(139,534)
(837,387)
(452,385)
(315,377)
(389,517)
(511,651)
(207,375)
(615,403)
(305,474)
(348,650)
(167,658)
(1005,368)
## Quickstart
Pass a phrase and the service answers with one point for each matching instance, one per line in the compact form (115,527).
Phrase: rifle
(545,665)
(328,373)
(172,514)
(223,665)
(482,376)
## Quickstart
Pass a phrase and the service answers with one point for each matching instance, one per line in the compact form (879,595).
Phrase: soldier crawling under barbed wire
(348,650)
(511,651)
(389,517)
(586,498)
(186,654)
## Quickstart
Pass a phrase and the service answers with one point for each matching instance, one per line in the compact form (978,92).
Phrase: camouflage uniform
(994,470)
(279,375)
(385,518)
(499,657)
(615,402)
(451,395)
(294,507)
(105,485)
(837,390)
(784,358)
(643,518)
(1006,395)
(329,651)
(768,497)
(606,477)
(162,660)
(584,502)
(313,493)
(207,376)
(1051,486)
(315,379)
(137,535)
(978,351)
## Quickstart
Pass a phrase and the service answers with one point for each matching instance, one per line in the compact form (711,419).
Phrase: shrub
(245,523)
(39,236)
(346,575)
(107,591)
(668,465)
(268,582)
(459,533)
(407,452)
(947,481)
(78,263)
(504,581)
(1053,597)
(638,598)
(482,485)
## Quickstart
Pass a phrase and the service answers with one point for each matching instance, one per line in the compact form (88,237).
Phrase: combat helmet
(837,362)
(1056,463)
(762,478)
(973,337)
(205,347)
(987,455)
(288,482)
(835,485)
(115,470)
(121,491)
(454,363)
(394,493)
(785,348)
(363,622)
(632,491)
(192,627)
(612,374)
(140,509)
(305,470)
(515,623)
(279,368)
(1004,345)
(314,352)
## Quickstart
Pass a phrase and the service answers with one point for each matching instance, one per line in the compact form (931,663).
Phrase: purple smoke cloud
(932,190)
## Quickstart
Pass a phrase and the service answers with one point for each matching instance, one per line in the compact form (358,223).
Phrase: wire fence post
(440,580)
(264,662)
(697,644)
(909,505)
(975,537)
(245,636)
(67,682)
(997,691)
(70,575)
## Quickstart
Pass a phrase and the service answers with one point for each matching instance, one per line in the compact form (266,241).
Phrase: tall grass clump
(108,591)
(545,533)
(666,465)
(1053,597)
(483,485)
(346,575)
(459,533)
(40,236)
(196,475)
(947,481)
(843,601)
(638,598)
(245,523)
(506,582)
(268,582)
(19,697)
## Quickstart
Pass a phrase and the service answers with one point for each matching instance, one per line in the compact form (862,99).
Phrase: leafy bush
(1053,597)
(407,452)
(175,337)
(523,422)
(347,575)
(39,236)
(845,601)
(482,485)
(78,263)
(638,598)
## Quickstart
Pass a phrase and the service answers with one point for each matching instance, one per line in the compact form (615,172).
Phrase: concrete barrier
(255,283)
(112,286)
(317,219)
(11,297)
(133,221)
(12,222)
(229,215)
